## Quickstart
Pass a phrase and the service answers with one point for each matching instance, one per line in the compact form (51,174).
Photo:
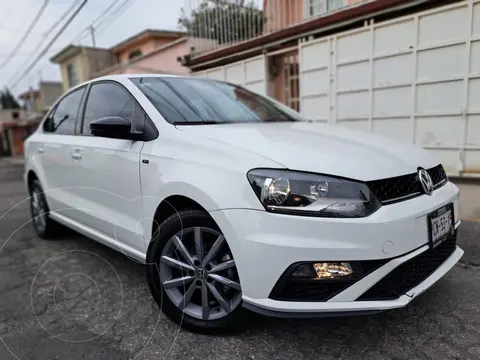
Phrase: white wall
(250,74)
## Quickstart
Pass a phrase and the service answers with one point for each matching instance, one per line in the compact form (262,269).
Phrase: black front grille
(438,175)
(411,273)
(405,187)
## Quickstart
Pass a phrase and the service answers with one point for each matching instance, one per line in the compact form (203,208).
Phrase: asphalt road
(71,298)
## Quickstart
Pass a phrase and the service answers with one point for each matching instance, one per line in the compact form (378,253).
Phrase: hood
(321,148)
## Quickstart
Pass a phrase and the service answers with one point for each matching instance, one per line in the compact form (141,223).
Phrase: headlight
(306,194)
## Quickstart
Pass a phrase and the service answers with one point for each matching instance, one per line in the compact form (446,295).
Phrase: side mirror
(112,127)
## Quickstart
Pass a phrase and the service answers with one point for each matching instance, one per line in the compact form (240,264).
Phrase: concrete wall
(87,62)
(283,13)
(280,14)
(49,93)
(79,63)
(96,60)
(7,115)
(146,46)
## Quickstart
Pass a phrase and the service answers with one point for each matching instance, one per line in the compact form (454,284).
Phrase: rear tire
(208,297)
(43,224)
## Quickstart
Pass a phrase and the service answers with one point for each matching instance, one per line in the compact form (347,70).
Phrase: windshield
(191,101)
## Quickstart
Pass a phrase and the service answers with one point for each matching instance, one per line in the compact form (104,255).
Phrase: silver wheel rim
(198,274)
(39,210)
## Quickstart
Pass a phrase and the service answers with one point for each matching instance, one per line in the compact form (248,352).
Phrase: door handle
(77,155)
(40,149)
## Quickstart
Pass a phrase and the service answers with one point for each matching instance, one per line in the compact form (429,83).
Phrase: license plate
(440,224)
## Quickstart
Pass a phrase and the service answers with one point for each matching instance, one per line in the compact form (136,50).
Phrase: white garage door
(415,78)
(248,73)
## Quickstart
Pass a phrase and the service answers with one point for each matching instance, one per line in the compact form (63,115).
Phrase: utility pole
(31,108)
(41,97)
(92,33)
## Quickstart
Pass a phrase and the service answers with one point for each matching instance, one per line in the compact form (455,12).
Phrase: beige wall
(97,60)
(162,61)
(7,114)
(49,93)
(78,63)
(145,46)
(87,62)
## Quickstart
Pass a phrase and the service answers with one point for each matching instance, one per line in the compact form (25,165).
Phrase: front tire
(192,274)
(44,226)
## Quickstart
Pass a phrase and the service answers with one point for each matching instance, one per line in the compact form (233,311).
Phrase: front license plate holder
(440,225)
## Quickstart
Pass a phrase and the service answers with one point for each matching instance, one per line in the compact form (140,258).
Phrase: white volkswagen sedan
(236,202)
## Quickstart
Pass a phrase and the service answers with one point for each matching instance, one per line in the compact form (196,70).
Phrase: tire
(194,317)
(43,224)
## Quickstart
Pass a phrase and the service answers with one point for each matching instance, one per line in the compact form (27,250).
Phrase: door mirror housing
(114,127)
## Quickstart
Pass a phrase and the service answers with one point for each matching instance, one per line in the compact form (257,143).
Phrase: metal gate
(415,78)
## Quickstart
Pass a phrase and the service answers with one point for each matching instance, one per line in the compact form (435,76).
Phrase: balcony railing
(212,24)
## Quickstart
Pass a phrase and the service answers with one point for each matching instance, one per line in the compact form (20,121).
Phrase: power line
(87,30)
(26,34)
(49,45)
(45,36)
(60,19)
(122,8)
(80,35)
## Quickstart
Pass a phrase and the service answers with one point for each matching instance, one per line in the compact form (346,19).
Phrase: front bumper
(336,306)
(264,245)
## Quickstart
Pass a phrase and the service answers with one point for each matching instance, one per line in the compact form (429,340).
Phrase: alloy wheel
(198,273)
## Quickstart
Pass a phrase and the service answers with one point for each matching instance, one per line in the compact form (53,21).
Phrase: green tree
(8,101)
(225,21)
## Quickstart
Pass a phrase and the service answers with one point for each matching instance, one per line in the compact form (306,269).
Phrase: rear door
(52,150)
(106,177)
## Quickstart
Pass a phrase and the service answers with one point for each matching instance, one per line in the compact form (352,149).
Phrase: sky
(139,15)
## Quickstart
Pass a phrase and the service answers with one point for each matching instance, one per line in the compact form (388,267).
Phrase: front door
(51,149)
(106,176)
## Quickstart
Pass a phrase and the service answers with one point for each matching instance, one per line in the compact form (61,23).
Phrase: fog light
(305,271)
(332,270)
(324,271)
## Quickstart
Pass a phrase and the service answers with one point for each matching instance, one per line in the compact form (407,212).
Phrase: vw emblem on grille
(426,181)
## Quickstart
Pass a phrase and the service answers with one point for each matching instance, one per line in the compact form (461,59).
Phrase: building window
(319,7)
(134,54)
(72,75)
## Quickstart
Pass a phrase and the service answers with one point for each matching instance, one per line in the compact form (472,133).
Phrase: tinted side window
(108,99)
(62,120)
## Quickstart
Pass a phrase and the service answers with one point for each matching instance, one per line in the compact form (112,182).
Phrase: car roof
(129,76)
(124,77)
